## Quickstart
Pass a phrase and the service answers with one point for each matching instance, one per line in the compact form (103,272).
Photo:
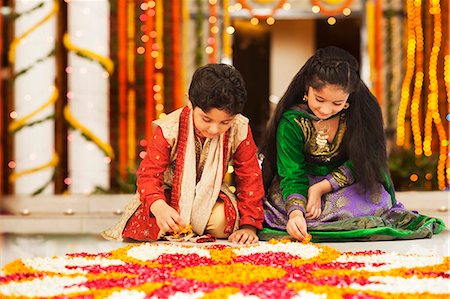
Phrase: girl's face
(212,123)
(327,101)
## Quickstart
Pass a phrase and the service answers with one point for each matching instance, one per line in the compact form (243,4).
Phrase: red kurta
(150,180)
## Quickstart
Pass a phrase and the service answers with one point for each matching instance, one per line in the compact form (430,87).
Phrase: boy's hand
(245,235)
(296,225)
(167,218)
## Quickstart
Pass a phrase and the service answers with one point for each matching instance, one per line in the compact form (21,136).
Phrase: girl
(325,164)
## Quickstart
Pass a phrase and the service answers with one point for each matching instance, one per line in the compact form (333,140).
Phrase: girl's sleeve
(341,176)
(294,182)
(150,175)
(249,185)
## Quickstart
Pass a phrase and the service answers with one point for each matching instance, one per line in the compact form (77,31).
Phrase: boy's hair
(219,86)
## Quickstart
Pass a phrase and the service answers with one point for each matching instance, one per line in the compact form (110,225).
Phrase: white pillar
(34,145)
(88,29)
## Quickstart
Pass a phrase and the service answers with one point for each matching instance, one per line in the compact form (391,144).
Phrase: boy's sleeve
(249,185)
(294,182)
(150,174)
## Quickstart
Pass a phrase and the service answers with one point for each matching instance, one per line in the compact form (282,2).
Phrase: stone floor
(24,245)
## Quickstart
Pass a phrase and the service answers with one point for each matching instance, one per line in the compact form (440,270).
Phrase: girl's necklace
(322,134)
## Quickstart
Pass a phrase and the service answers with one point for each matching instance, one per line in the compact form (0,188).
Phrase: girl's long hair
(365,140)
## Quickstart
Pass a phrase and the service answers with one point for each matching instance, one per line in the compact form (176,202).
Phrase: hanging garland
(432,113)
(418,79)
(248,7)
(149,72)
(1,107)
(131,92)
(378,52)
(17,40)
(185,42)
(331,12)
(123,82)
(159,64)
(104,61)
(178,100)
(212,43)
(410,66)
(199,33)
(447,88)
(226,37)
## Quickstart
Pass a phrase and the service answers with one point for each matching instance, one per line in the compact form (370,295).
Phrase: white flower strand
(149,252)
(412,285)
(391,261)
(58,264)
(45,287)
(127,294)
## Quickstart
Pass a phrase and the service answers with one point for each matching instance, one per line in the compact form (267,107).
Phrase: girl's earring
(346,105)
(305,98)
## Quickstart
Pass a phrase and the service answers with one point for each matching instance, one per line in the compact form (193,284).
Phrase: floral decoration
(265,270)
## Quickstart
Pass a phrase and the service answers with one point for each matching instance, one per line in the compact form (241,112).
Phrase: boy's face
(212,123)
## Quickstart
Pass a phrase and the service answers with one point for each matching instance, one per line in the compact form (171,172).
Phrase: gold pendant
(322,135)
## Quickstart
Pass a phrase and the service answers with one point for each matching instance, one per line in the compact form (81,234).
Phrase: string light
(447,87)
(213,30)
(432,114)
(418,81)
(410,66)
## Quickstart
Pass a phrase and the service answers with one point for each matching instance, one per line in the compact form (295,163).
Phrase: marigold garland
(18,124)
(17,40)
(332,12)
(53,162)
(105,62)
(106,148)
(273,11)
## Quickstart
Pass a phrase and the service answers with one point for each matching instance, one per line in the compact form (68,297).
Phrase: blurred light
(270,21)
(331,20)
(413,177)
(346,11)
(254,21)
(230,30)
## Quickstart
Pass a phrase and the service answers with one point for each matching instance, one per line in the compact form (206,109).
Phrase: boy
(180,180)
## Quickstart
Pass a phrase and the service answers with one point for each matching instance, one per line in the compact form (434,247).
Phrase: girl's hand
(245,235)
(296,225)
(315,192)
(167,218)
(313,206)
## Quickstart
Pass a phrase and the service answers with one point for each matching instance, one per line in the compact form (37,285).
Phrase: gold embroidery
(295,202)
(341,202)
(323,153)
(340,178)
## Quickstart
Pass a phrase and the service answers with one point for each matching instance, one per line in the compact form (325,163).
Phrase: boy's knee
(217,221)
